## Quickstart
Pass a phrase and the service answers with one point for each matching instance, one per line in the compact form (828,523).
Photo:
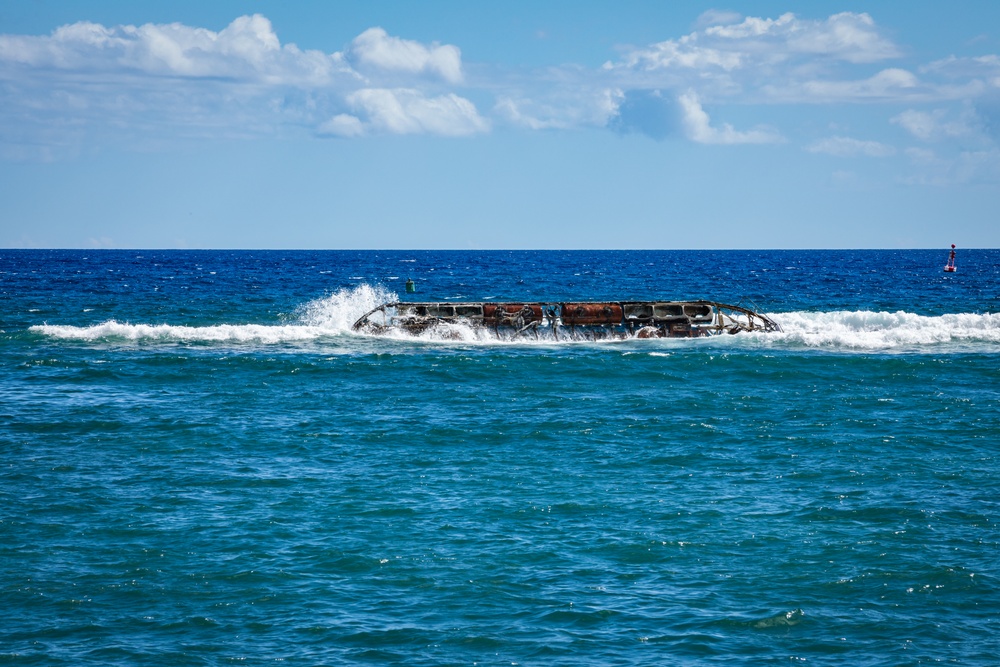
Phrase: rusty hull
(584,320)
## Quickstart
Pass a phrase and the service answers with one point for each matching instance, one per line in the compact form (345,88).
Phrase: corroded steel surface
(570,320)
(591,313)
(510,313)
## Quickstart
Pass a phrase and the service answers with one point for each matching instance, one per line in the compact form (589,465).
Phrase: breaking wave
(846,331)
(899,331)
(334,314)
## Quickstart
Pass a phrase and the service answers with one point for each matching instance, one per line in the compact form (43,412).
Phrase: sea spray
(340,310)
(332,315)
(900,331)
(120,332)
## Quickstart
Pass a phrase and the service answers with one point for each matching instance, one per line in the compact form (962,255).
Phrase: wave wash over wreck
(583,320)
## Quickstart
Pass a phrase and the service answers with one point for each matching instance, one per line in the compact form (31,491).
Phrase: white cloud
(408,111)
(682,53)
(932,125)
(785,59)
(918,123)
(888,84)
(376,49)
(728,46)
(845,36)
(515,113)
(158,81)
(561,109)
(343,125)
(85,80)
(848,147)
(698,126)
(752,27)
(789,59)
(247,49)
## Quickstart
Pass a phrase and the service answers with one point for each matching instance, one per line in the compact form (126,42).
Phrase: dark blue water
(200,463)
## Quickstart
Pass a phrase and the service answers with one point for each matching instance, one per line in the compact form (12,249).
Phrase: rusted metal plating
(585,320)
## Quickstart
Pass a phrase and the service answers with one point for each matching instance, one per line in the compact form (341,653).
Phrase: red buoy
(950,266)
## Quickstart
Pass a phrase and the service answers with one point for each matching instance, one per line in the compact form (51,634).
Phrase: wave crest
(871,330)
(339,311)
(331,315)
(334,314)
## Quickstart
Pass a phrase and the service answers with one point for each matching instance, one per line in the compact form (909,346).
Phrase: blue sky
(499,125)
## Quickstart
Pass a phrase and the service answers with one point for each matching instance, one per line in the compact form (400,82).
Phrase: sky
(507,125)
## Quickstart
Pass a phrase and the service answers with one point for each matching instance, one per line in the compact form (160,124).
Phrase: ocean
(202,464)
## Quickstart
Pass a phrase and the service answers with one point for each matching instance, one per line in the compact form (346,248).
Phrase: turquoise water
(200,464)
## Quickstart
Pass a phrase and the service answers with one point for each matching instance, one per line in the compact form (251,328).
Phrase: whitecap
(331,315)
(881,330)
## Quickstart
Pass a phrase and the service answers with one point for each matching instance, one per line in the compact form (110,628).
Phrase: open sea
(201,463)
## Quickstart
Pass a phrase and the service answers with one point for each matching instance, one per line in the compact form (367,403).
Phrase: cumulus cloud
(848,147)
(375,49)
(683,53)
(699,128)
(241,80)
(753,26)
(845,36)
(729,45)
(406,111)
(247,49)
(791,59)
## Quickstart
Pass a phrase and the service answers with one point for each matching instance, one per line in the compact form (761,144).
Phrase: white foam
(332,315)
(847,331)
(870,330)
(339,311)
(113,330)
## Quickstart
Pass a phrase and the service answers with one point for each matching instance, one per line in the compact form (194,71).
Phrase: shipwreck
(577,320)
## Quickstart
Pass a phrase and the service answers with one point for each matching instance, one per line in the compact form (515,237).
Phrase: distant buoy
(411,288)
(950,266)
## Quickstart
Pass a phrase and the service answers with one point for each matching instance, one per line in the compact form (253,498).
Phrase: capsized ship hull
(574,320)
